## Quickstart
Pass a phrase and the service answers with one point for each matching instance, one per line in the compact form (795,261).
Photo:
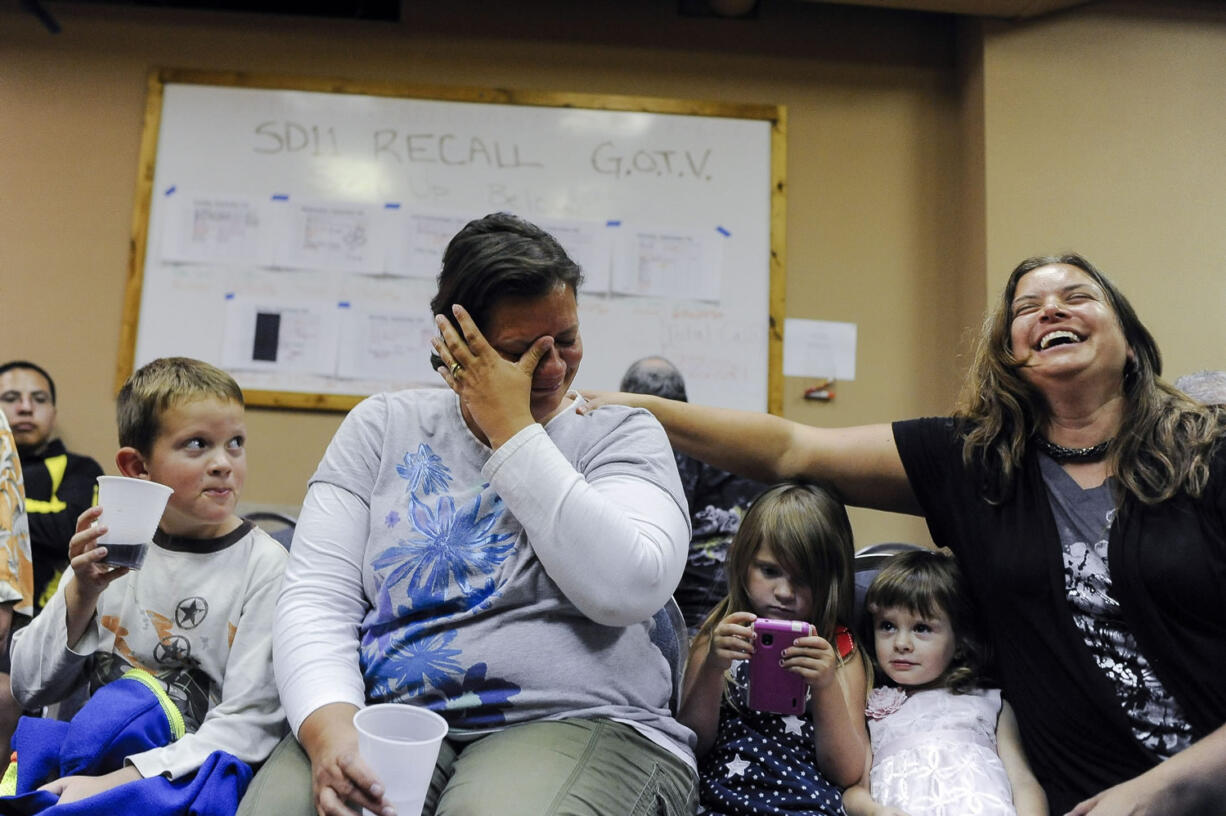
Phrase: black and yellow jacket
(59,487)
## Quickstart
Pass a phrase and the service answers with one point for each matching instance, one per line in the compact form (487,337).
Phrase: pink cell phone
(771,686)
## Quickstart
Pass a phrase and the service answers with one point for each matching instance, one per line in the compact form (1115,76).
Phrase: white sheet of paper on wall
(205,229)
(381,344)
(819,348)
(588,244)
(335,236)
(667,264)
(418,240)
(274,336)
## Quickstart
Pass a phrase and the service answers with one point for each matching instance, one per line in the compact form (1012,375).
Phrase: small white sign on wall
(819,348)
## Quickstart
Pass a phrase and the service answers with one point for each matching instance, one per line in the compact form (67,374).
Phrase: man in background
(59,485)
(718,500)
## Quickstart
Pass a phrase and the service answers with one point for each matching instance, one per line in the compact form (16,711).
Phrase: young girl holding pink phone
(942,744)
(791,560)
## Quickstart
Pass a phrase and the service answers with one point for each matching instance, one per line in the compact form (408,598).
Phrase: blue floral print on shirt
(424,469)
(447,547)
(404,666)
(445,565)
(480,700)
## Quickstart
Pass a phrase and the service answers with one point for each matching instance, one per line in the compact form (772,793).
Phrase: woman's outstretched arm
(862,462)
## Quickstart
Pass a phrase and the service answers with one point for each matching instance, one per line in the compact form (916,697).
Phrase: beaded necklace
(1063,454)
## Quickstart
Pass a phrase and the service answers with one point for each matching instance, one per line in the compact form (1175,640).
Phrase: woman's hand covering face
(495,392)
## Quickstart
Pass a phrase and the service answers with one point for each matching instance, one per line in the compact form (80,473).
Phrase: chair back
(669,634)
(278,525)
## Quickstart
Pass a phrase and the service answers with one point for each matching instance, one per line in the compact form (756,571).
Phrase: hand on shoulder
(599,399)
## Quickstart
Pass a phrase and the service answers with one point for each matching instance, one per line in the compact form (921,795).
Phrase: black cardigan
(1168,569)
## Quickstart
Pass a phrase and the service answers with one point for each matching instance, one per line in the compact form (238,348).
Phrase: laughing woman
(488,553)
(1086,502)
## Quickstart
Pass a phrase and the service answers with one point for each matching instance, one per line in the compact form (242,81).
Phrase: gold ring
(456,368)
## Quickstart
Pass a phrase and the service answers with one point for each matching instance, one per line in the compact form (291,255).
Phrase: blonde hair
(1164,446)
(807,529)
(157,386)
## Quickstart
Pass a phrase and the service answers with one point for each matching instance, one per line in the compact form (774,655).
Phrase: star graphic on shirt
(736,767)
(792,724)
(191,611)
(174,650)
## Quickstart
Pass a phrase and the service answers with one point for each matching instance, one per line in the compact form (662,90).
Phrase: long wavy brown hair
(1164,445)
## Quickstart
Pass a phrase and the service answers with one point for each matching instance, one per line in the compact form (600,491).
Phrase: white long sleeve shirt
(495,587)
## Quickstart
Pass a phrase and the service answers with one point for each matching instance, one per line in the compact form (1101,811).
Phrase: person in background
(1206,387)
(16,573)
(717,500)
(1085,500)
(59,485)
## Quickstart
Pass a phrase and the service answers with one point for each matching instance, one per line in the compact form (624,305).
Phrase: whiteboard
(289,230)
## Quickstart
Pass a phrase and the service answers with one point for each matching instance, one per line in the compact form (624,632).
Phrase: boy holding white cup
(198,613)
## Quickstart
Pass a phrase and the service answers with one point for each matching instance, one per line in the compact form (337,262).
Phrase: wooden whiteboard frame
(158,78)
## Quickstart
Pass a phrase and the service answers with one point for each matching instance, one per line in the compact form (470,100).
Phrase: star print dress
(762,762)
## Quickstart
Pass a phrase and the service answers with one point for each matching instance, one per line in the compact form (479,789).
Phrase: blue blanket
(125,717)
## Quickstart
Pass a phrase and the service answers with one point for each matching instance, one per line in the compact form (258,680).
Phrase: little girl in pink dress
(941,746)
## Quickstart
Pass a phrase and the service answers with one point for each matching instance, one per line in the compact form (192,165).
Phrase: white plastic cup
(131,510)
(400,743)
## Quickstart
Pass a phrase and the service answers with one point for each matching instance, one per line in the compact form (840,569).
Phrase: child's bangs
(793,547)
(923,589)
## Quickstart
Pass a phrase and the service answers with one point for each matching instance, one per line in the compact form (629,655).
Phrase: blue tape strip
(392,205)
(344,304)
(171,189)
(280,197)
(612,223)
(723,232)
(229,296)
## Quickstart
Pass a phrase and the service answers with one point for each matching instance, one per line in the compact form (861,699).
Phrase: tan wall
(1087,129)
(1105,136)
(873,144)
(915,183)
